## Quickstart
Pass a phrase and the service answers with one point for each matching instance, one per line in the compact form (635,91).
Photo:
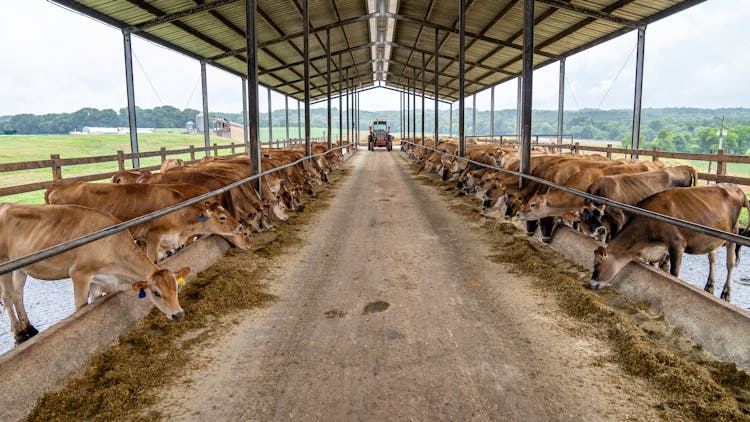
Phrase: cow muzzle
(178,315)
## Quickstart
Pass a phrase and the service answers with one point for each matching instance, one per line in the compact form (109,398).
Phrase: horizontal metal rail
(729,237)
(35,257)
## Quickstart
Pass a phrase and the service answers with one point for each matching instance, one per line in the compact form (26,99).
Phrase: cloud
(55,60)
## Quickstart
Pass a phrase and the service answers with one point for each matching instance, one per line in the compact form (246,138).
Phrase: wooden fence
(721,159)
(55,163)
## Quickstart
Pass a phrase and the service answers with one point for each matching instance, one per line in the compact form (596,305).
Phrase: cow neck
(142,268)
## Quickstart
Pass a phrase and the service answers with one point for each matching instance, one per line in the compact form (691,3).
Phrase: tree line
(670,129)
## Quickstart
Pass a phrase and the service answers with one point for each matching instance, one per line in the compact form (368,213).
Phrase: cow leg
(546,227)
(675,259)
(711,263)
(27,330)
(731,260)
(9,284)
(81,286)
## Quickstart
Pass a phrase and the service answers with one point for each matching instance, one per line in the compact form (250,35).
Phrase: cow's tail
(694,173)
(743,232)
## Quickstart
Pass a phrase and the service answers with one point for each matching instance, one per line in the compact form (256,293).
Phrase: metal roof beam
(370,61)
(596,14)
(468,34)
(333,25)
(160,20)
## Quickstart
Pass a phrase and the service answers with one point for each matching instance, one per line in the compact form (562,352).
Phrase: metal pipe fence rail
(729,237)
(35,257)
(516,137)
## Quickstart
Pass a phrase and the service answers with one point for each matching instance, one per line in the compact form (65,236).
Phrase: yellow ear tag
(180,281)
(604,255)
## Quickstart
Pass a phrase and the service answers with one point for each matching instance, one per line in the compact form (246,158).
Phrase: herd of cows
(652,186)
(127,260)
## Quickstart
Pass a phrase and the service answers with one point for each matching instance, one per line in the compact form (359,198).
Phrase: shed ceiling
(214,31)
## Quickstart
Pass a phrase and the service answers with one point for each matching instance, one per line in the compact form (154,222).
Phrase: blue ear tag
(202,218)
(141,294)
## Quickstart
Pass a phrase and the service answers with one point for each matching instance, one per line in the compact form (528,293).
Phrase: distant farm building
(94,130)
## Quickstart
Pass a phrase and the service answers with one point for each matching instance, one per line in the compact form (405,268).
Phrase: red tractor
(380,135)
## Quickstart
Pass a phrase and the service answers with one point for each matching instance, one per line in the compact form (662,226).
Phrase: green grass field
(19,148)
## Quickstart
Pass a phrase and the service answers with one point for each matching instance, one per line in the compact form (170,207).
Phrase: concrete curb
(719,327)
(47,361)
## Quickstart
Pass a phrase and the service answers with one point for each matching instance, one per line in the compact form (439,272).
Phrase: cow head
(606,266)
(217,220)
(535,208)
(161,289)
(591,220)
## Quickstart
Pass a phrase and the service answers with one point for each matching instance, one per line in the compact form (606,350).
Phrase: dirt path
(462,338)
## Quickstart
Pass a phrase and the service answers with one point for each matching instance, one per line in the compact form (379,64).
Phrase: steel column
(492,114)
(131,98)
(636,137)
(341,106)
(461,76)
(437,72)
(401,114)
(561,102)
(306,56)
(474,115)
(528,76)
(519,108)
(270,119)
(252,91)
(357,124)
(286,118)
(328,85)
(414,108)
(423,87)
(450,117)
(299,120)
(206,123)
(245,134)
(348,127)
(407,95)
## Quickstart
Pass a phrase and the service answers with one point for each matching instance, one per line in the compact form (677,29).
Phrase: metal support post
(492,114)
(561,102)
(206,122)
(423,86)
(450,125)
(437,71)
(286,118)
(407,96)
(299,120)
(636,137)
(461,76)
(348,127)
(270,119)
(414,108)
(328,85)
(528,76)
(306,67)
(252,91)
(341,105)
(245,131)
(131,98)
(474,115)
(519,108)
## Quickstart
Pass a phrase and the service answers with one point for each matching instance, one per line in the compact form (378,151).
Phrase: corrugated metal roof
(214,30)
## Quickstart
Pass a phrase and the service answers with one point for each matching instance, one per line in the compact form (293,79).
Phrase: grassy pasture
(19,148)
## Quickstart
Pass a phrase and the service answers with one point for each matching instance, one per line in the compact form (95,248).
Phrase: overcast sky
(53,60)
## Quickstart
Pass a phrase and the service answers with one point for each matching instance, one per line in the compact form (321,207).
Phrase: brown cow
(114,262)
(172,231)
(644,238)
(629,189)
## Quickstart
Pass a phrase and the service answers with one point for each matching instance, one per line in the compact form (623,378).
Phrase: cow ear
(207,204)
(138,285)
(184,272)
(600,251)
(213,205)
